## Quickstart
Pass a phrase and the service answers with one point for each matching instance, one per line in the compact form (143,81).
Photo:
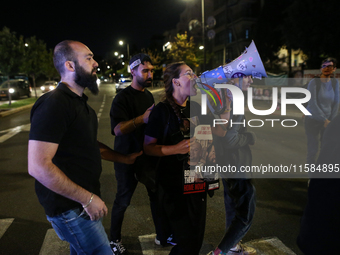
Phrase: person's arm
(153,149)
(41,167)
(335,106)
(108,154)
(313,105)
(221,129)
(126,127)
(236,137)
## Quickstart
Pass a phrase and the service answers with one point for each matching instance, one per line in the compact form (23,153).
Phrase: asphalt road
(280,201)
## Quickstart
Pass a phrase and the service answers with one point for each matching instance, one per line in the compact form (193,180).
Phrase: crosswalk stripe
(264,246)
(4,225)
(149,247)
(52,244)
(270,246)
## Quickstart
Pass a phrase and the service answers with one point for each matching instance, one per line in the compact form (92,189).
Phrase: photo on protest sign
(202,154)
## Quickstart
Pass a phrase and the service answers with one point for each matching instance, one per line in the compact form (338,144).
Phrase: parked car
(17,88)
(123,83)
(48,86)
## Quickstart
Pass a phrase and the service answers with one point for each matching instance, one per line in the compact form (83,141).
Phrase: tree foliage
(183,49)
(11,52)
(33,59)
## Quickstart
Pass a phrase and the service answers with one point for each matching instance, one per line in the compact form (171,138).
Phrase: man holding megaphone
(232,149)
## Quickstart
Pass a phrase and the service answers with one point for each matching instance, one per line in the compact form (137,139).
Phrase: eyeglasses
(329,66)
(192,75)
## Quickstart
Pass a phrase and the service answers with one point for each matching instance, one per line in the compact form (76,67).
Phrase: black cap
(138,59)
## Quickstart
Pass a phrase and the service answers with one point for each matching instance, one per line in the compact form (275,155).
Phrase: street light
(127,47)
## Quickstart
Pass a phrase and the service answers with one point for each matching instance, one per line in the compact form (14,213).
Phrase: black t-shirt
(170,170)
(64,118)
(128,104)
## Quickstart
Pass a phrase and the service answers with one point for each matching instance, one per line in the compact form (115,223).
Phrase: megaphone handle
(224,104)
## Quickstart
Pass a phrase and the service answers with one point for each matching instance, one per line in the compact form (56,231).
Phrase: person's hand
(96,209)
(183,147)
(147,114)
(131,158)
(326,123)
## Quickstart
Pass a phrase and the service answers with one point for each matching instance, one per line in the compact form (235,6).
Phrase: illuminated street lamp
(127,47)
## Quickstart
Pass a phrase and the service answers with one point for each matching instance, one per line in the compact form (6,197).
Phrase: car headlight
(51,87)
(11,90)
(42,88)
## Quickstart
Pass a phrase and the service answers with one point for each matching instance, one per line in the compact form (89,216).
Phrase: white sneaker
(241,249)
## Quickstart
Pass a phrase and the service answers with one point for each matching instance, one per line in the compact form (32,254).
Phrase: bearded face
(86,79)
(144,83)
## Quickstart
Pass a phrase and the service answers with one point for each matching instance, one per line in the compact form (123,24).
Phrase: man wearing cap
(130,112)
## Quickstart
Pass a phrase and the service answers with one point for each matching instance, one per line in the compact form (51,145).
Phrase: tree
(35,59)
(183,49)
(48,68)
(11,53)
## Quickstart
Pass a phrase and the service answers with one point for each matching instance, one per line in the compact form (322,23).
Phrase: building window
(230,36)
(247,33)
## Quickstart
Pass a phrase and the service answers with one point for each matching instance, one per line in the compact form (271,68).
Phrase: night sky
(98,24)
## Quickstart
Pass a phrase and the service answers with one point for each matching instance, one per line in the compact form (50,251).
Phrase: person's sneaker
(242,249)
(118,248)
(170,241)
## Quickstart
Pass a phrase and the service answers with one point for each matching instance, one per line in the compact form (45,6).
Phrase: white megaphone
(248,63)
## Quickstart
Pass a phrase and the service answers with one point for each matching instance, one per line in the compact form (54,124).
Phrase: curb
(11,111)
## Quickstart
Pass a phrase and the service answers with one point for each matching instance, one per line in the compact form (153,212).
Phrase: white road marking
(264,246)
(13,131)
(270,246)
(149,247)
(101,108)
(52,244)
(4,225)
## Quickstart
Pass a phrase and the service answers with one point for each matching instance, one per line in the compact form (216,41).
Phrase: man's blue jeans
(241,198)
(85,236)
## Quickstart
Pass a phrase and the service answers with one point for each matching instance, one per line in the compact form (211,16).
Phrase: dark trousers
(184,217)
(314,131)
(241,197)
(126,185)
